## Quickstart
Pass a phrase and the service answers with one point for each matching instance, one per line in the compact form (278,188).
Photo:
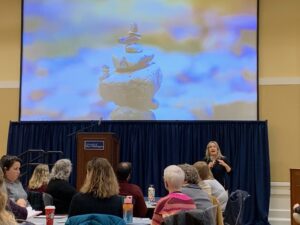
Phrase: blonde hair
(203,170)
(219,154)
(100,179)
(40,176)
(6,218)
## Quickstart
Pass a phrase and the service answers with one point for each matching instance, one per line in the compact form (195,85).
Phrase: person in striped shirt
(175,201)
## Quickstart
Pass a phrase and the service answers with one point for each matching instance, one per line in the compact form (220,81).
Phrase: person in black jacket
(218,164)
(59,187)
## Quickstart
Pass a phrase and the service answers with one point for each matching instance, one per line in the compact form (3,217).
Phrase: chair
(193,217)
(95,219)
(36,200)
(233,214)
(39,200)
(47,199)
(219,216)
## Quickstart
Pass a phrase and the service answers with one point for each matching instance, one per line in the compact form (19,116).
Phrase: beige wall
(279,66)
(10,31)
(279,71)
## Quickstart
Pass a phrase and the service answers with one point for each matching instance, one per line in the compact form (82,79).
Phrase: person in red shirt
(39,179)
(123,173)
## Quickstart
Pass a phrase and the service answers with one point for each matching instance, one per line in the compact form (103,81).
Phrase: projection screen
(139,60)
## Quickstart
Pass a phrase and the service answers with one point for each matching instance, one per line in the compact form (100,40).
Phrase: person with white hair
(175,201)
(59,187)
(296,213)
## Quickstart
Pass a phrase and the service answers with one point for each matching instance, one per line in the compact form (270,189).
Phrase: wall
(279,66)
(10,42)
(279,97)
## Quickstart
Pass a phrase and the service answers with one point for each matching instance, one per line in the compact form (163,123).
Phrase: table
(41,220)
(61,219)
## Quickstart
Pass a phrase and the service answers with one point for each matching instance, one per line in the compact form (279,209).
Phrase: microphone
(213,160)
(98,123)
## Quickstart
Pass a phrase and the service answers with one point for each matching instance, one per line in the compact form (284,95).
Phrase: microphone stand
(85,128)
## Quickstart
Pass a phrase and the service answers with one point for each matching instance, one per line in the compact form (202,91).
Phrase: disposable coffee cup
(49,212)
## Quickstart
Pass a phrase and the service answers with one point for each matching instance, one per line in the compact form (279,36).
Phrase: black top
(62,193)
(218,170)
(86,203)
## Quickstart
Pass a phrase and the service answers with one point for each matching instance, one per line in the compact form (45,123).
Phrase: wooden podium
(90,145)
(295,190)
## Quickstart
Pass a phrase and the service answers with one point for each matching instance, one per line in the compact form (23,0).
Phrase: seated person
(99,193)
(296,213)
(123,173)
(205,187)
(191,188)
(11,169)
(217,189)
(175,201)
(6,217)
(39,179)
(59,187)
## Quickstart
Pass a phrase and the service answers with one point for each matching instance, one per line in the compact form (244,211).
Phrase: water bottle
(128,209)
(151,193)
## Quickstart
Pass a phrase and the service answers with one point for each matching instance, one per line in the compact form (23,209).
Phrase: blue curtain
(153,145)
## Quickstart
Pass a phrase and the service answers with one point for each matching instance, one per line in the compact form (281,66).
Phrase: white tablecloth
(59,220)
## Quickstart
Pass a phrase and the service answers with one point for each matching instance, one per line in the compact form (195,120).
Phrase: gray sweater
(15,190)
(200,197)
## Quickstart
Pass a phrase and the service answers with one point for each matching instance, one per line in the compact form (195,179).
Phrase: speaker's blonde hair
(219,153)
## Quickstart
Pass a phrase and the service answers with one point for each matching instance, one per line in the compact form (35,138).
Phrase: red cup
(49,212)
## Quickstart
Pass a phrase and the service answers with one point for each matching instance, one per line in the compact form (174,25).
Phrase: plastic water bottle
(151,193)
(128,209)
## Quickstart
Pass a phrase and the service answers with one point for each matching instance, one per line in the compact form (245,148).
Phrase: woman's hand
(21,202)
(227,167)
(211,164)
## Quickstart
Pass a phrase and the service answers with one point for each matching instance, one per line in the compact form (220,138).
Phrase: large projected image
(139,60)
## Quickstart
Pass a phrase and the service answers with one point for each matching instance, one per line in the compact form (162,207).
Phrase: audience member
(296,213)
(217,189)
(99,193)
(218,163)
(59,187)
(11,169)
(175,201)
(201,171)
(39,179)
(6,218)
(191,188)
(123,173)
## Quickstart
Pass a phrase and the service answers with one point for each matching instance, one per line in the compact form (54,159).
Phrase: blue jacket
(95,219)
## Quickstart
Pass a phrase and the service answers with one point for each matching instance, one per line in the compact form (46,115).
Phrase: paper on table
(31,212)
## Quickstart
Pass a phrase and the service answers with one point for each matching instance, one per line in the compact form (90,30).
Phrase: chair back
(47,199)
(95,219)
(39,200)
(36,200)
(193,217)
(219,214)
(233,214)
